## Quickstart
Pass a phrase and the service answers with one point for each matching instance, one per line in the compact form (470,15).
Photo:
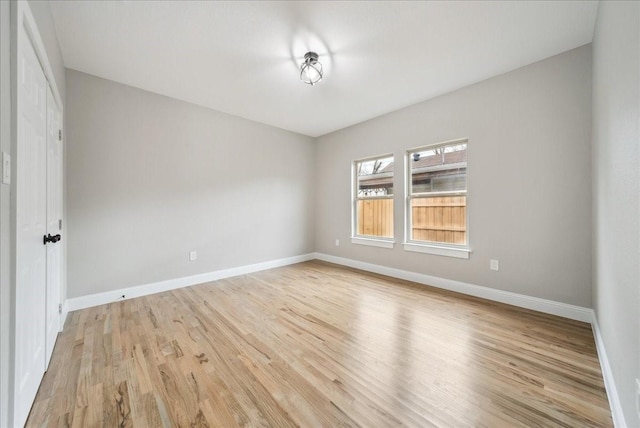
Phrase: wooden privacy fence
(375,217)
(440,219)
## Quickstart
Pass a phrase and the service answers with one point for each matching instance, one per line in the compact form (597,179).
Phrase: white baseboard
(607,374)
(82,302)
(65,312)
(528,302)
(537,304)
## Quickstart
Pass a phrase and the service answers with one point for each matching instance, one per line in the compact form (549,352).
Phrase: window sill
(372,242)
(460,253)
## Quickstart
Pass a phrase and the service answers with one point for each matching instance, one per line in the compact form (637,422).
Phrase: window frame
(370,240)
(434,247)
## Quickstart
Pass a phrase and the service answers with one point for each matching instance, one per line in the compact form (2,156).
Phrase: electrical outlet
(337,242)
(193,255)
(494,265)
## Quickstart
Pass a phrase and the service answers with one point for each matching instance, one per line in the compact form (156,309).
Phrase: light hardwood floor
(316,344)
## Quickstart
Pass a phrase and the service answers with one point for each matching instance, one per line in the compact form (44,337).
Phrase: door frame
(53,304)
(5,261)
(21,17)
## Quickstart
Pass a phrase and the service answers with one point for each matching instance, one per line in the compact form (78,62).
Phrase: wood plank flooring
(316,344)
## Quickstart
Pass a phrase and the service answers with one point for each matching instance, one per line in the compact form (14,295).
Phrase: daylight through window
(373,210)
(437,199)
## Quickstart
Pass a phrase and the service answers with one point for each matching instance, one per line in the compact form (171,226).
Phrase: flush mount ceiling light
(311,69)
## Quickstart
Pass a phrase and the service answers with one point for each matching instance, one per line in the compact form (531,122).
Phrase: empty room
(320,213)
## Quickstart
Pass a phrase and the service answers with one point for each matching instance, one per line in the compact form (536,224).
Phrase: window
(437,199)
(373,201)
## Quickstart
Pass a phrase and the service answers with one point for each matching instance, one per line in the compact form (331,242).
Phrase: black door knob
(51,238)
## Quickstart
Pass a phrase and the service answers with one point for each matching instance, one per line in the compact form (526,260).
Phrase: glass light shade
(311,69)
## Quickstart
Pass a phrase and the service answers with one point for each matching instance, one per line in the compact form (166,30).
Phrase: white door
(31,227)
(54,222)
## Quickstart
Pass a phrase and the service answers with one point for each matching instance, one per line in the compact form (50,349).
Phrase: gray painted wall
(616,192)
(529,162)
(151,178)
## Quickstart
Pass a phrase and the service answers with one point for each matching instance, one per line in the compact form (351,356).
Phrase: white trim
(25,15)
(156,287)
(429,248)
(372,242)
(354,194)
(65,312)
(440,144)
(535,303)
(461,253)
(607,374)
(24,30)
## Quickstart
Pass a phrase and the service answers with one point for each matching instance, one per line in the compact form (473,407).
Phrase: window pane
(439,219)
(443,169)
(435,216)
(374,204)
(375,177)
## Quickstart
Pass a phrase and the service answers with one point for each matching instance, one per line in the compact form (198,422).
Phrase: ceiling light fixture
(311,69)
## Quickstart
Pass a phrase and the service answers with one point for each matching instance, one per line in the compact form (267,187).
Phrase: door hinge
(59,134)
(60,224)
(59,308)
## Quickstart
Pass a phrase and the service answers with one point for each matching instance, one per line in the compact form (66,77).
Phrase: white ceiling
(243,58)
